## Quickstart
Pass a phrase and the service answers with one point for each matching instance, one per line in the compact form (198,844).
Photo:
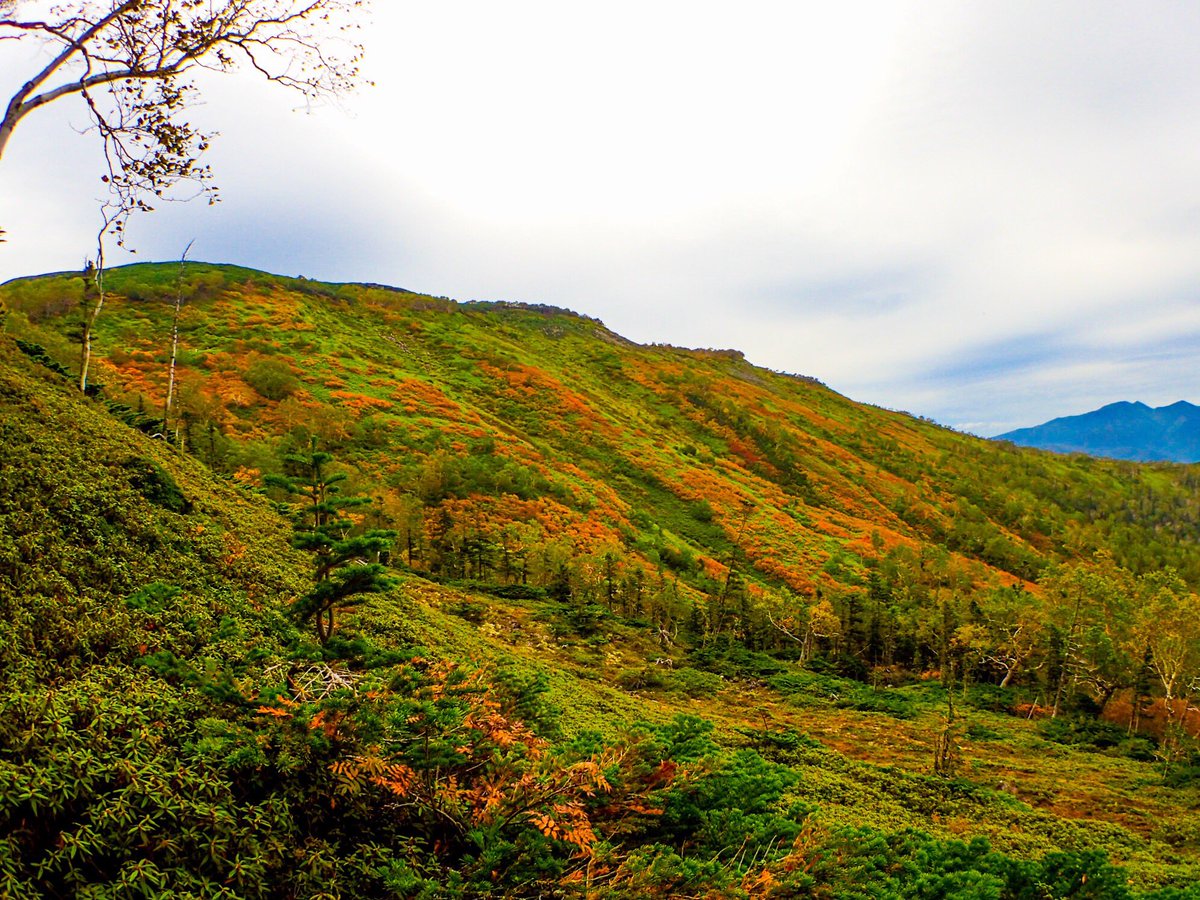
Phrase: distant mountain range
(1121,431)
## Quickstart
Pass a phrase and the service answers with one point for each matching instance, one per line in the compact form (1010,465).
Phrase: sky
(986,213)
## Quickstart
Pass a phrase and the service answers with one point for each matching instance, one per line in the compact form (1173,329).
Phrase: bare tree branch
(129,61)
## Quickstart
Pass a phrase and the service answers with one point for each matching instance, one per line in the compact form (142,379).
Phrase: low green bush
(1096,735)
(694,682)
(733,660)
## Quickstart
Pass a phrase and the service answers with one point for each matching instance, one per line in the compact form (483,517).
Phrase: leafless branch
(129,61)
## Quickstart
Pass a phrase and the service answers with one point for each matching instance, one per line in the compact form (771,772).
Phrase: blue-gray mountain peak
(1121,430)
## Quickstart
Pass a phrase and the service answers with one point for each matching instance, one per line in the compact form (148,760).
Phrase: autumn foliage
(647,621)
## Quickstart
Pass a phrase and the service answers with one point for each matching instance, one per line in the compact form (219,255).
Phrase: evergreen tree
(342,566)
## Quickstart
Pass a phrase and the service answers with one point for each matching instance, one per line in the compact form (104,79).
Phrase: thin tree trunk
(174,344)
(109,216)
(89,323)
(1067,660)
(1106,696)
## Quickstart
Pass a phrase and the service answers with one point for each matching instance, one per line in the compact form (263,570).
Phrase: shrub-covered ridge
(595,543)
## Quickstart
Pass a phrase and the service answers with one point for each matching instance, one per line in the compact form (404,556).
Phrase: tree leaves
(323,529)
(131,63)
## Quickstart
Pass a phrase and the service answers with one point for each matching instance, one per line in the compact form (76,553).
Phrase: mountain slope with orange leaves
(636,532)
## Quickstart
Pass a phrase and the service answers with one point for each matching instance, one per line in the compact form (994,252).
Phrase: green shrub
(642,679)
(152,598)
(978,732)
(272,378)
(694,682)
(733,660)
(154,483)
(38,353)
(865,700)
(991,697)
(508,591)
(1181,775)
(1096,735)
(813,689)
(586,620)
(469,611)
(680,559)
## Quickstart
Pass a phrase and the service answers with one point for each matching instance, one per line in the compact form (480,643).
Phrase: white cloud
(899,198)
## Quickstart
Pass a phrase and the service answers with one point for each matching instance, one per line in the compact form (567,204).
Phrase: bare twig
(130,61)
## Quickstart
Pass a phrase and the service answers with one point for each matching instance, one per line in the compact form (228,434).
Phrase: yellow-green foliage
(580,434)
(637,575)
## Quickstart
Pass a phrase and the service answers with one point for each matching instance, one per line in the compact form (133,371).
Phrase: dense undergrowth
(665,623)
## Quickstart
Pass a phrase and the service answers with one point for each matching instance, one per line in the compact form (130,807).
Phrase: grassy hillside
(654,448)
(591,534)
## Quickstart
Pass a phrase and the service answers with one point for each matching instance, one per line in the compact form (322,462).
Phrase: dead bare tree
(179,283)
(93,292)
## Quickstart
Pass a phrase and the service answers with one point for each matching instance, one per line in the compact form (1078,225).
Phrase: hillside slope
(519,418)
(610,534)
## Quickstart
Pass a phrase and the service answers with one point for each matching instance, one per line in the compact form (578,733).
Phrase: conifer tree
(342,566)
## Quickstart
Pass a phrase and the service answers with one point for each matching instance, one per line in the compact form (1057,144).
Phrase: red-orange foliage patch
(359,403)
(421,397)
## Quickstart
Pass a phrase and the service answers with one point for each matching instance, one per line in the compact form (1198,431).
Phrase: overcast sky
(985,213)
